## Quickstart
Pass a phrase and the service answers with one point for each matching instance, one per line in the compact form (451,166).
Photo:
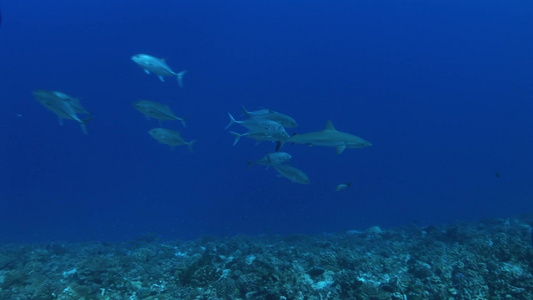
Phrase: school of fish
(261,125)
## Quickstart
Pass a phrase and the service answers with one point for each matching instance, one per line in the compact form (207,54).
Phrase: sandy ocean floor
(492,259)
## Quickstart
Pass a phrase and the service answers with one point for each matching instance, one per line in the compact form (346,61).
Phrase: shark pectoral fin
(147,72)
(162,78)
(340,149)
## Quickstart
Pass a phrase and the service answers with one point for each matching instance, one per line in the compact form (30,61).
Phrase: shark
(330,137)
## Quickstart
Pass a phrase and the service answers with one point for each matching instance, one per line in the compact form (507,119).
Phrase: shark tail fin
(231,121)
(179,76)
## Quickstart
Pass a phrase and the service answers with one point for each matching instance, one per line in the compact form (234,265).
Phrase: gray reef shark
(330,137)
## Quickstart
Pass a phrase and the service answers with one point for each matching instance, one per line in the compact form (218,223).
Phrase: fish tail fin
(279,144)
(183,122)
(190,144)
(237,137)
(245,111)
(82,124)
(83,128)
(179,76)
(231,121)
(250,163)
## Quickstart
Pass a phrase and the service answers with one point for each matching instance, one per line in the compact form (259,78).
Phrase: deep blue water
(443,90)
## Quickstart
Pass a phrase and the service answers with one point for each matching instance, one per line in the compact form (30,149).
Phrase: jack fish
(269,114)
(271,159)
(292,174)
(156,110)
(64,106)
(170,137)
(158,66)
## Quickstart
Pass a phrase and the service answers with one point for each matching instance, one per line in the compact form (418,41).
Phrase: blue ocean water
(443,90)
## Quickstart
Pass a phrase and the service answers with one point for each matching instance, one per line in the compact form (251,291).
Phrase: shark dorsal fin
(329,126)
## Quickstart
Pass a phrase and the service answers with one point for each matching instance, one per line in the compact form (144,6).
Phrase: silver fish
(170,137)
(157,110)
(62,107)
(269,114)
(74,102)
(330,137)
(259,136)
(271,159)
(158,66)
(292,174)
(343,186)
(256,124)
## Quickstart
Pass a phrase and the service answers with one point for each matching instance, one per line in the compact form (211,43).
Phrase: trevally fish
(62,107)
(157,110)
(170,137)
(158,66)
(269,114)
(74,102)
(271,159)
(256,124)
(292,174)
(343,186)
(330,137)
(273,136)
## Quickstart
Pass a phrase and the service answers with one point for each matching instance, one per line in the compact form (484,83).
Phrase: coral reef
(492,259)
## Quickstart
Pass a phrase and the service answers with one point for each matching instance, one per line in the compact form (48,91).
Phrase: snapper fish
(158,66)
(271,159)
(157,110)
(269,114)
(62,106)
(170,137)
(293,174)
